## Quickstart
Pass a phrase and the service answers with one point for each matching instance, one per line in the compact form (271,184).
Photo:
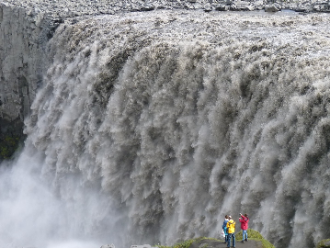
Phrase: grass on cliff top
(255,235)
(187,243)
(252,235)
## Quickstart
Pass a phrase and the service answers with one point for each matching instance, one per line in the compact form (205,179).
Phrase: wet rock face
(10,137)
(22,39)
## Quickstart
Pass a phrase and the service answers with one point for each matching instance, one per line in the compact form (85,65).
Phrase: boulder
(243,6)
(304,8)
(272,8)
(222,7)
(207,7)
(258,5)
(108,246)
(142,246)
(326,244)
(147,7)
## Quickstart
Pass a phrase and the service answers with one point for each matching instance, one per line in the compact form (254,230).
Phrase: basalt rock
(272,8)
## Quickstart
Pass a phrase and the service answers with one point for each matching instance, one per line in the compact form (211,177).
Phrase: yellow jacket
(231,226)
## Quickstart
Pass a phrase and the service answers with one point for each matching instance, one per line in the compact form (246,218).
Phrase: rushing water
(151,127)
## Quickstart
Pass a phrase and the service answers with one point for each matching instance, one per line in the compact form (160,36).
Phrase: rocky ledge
(73,8)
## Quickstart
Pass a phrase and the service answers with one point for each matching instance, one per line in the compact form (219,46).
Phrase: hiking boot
(246,240)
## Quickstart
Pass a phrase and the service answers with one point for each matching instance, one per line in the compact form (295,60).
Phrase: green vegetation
(322,243)
(255,235)
(188,243)
(184,244)
(8,145)
(252,234)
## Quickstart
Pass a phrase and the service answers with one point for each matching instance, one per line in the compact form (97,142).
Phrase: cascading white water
(151,127)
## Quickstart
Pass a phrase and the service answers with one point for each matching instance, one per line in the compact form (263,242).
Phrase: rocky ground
(208,243)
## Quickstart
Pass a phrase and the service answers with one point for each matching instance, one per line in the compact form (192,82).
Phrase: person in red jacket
(244,219)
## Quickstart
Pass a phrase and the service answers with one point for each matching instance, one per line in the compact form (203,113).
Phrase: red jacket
(244,222)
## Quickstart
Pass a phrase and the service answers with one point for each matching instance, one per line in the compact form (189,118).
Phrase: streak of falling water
(151,127)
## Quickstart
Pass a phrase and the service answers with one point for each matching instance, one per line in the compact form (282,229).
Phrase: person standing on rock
(224,228)
(244,219)
(231,231)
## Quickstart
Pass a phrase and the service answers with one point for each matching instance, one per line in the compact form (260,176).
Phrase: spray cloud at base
(149,128)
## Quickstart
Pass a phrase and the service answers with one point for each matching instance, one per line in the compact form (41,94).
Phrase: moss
(255,235)
(266,244)
(322,244)
(186,243)
(252,234)
(8,146)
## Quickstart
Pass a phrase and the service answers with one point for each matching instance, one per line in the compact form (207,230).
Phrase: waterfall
(150,127)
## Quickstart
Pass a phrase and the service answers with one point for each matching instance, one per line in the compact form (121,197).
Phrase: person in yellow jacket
(231,231)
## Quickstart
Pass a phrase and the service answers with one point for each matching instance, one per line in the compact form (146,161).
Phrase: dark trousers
(231,236)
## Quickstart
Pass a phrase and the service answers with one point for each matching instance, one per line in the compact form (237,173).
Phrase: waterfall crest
(150,128)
